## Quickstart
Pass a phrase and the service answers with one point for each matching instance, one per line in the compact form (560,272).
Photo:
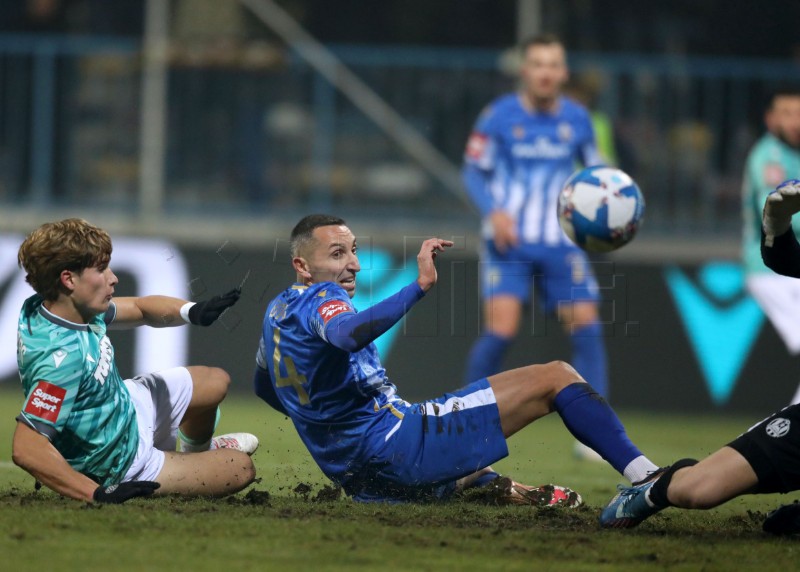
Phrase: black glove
(206,312)
(117,494)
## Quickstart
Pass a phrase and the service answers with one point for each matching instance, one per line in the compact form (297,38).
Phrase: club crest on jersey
(45,401)
(518,132)
(564,131)
(778,427)
(332,308)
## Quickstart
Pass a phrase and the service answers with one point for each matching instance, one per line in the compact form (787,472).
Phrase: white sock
(639,468)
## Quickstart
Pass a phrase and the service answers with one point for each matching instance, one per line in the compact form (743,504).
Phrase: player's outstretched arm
(351,332)
(426,261)
(164,311)
(34,453)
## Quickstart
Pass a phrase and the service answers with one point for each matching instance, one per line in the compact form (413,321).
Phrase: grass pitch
(291,520)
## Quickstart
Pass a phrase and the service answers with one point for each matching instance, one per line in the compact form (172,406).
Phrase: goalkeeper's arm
(779,247)
(784,255)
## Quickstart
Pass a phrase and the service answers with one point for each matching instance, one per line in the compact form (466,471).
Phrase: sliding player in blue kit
(522,149)
(317,364)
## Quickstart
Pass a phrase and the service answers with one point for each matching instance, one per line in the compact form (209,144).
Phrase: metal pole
(153,109)
(362,96)
(43,125)
(529,19)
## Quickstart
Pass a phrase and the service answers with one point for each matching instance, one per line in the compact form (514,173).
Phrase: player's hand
(206,312)
(781,205)
(505,230)
(425,261)
(117,494)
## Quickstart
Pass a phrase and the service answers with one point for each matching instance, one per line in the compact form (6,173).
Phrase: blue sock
(592,421)
(589,356)
(486,356)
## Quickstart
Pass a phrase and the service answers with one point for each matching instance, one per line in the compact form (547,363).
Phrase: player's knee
(246,470)
(560,374)
(545,381)
(504,328)
(220,380)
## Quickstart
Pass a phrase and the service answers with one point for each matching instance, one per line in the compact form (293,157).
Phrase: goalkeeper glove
(206,312)
(781,204)
(117,494)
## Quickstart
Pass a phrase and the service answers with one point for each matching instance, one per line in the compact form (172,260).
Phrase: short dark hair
(543,39)
(784,90)
(303,231)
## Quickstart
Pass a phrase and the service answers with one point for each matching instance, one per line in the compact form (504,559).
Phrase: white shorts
(779,298)
(160,400)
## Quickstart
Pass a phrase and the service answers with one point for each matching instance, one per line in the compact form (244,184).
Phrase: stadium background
(199,131)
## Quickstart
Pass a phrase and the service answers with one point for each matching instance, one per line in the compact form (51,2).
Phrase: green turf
(276,527)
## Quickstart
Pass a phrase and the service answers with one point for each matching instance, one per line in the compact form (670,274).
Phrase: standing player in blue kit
(522,149)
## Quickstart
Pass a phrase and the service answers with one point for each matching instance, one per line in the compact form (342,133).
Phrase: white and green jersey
(771,161)
(74,394)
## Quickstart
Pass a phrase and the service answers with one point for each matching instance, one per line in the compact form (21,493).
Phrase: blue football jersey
(527,156)
(342,404)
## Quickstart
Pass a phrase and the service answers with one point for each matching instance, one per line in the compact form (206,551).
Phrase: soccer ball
(600,208)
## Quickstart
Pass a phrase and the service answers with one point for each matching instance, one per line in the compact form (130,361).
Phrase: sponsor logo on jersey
(58,357)
(21,350)
(45,401)
(106,357)
(476,146)
(542,148)
(774,174)
(333,308)
(778,427)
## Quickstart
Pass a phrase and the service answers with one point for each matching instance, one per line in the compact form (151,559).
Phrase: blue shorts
(438,442)
(559,274)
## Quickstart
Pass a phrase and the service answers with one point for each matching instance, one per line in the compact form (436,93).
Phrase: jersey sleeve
(111,314)
(328,304)
(482,145)
(50,399)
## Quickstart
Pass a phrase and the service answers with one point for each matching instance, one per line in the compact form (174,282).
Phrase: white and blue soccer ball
(600,208)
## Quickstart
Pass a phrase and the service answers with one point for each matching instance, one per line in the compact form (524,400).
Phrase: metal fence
(260,132)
